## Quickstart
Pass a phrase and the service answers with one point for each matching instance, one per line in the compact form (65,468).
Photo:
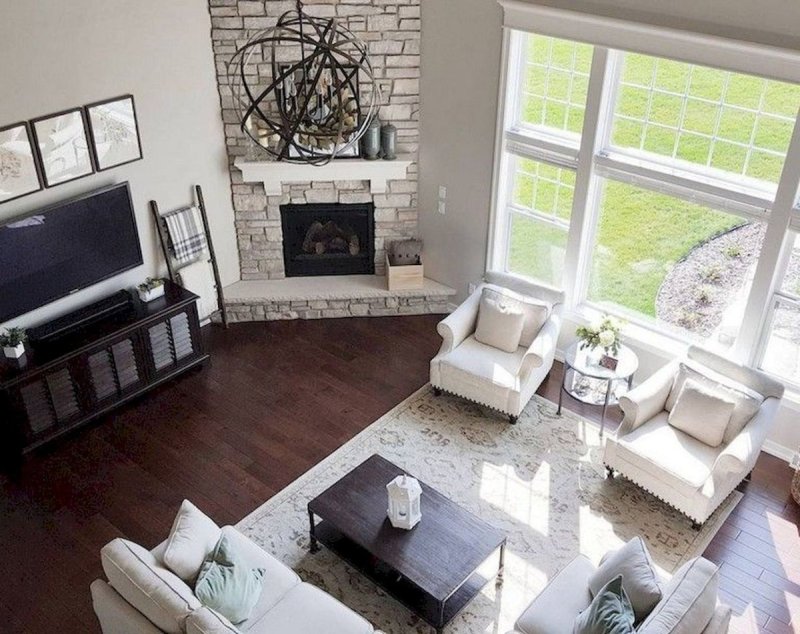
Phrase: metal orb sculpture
(319,95)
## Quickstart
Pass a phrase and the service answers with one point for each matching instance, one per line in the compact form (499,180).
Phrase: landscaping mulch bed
(695,293)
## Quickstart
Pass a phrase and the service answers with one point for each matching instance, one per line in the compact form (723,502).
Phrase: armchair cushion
(668,454)
(746,401)
(632,563)
(701,413)
(500,321)
(474,363)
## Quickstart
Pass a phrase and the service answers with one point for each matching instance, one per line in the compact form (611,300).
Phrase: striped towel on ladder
(186,234)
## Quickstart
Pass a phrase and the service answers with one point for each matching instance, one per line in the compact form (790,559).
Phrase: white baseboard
(779,451)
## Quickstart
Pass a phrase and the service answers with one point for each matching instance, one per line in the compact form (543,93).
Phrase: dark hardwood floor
(275,400)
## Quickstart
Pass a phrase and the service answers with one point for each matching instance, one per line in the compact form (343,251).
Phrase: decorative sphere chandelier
(319,96)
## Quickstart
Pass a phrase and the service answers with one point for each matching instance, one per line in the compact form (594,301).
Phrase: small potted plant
(13,342)
(601,338)
(151,289)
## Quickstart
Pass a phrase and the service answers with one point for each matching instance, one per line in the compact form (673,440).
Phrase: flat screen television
(61,249)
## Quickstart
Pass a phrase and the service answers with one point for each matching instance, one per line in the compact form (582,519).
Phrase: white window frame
(593,158)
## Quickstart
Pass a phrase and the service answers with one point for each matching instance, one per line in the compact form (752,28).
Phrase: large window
(677,264)
(707,117)
(554,83)
(541,204)
(645,187)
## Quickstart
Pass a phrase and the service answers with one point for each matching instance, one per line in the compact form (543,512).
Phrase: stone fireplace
(282,252)
(391,29)
(328,239)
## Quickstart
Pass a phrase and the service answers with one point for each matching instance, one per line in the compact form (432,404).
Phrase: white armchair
(505,381)
(691,476)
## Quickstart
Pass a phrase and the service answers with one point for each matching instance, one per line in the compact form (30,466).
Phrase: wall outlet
(795,463)
(442,207)
(471,287)
(442,192)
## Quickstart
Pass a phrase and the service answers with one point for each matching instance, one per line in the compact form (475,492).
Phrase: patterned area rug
(541,481)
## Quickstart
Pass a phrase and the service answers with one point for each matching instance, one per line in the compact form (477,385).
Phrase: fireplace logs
(330,238)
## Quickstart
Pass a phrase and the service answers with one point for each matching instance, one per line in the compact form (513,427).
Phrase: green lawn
(642,234)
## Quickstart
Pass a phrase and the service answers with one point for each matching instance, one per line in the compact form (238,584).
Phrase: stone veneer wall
(391,29)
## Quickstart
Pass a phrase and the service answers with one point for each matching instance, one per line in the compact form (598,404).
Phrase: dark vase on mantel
(389,142)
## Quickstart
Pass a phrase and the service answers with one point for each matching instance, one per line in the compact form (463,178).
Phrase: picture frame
(114,132)
(609,363)
(62,146)
(19,168)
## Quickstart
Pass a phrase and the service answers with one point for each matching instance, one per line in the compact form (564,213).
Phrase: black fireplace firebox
(328,239)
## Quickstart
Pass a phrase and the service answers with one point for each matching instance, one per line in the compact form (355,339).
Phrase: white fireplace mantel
(273,173)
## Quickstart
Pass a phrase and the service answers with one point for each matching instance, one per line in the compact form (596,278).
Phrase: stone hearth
(325,297)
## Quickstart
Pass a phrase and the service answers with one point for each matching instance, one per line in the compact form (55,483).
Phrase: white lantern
(404,498)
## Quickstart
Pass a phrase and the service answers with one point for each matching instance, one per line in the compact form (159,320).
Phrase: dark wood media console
(86,373)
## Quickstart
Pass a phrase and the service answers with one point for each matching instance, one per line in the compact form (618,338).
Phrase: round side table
(587,381)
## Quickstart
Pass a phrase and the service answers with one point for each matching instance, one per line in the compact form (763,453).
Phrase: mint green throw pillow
(227,584)
(609,613)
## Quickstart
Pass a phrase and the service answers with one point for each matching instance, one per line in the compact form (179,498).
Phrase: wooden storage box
(403,278)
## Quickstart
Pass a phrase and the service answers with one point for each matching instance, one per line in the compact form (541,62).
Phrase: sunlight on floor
(524,500)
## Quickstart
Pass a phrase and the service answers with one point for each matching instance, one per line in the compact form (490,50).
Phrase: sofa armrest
(647,399)
(741,453)
(720,621)
(459,324)
(542,349)
(115,614)
(557,606)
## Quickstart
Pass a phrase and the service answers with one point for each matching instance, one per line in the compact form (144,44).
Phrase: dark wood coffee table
(431,569)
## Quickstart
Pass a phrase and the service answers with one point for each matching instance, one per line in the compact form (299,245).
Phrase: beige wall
(461,45)
(56,55)
(461,51)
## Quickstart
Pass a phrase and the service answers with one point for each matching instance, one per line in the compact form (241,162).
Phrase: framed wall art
(114,132)
(19,173)
(63,146)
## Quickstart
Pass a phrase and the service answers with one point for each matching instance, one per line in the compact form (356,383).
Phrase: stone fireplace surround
(391,29)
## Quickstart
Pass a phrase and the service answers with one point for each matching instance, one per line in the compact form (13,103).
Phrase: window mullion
(596,129)
(773,258)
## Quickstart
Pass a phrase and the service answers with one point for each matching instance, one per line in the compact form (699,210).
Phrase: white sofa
(688,605)
(141,596)
(505,381)
(691,476)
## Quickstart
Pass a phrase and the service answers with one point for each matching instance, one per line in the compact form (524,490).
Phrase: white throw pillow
(536,311)
(500,322)
(192,537)
(701,414)
(747,402)
(639,579)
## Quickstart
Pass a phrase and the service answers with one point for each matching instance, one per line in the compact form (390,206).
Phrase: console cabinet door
(115,369)
(173,342)
(49,401)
